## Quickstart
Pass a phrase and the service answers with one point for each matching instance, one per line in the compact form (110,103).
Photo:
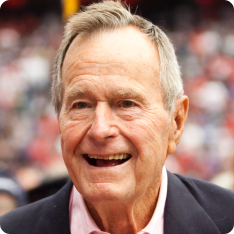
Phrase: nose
(103,126)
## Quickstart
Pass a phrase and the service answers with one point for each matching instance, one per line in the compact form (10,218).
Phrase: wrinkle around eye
(130,113)
(79,113)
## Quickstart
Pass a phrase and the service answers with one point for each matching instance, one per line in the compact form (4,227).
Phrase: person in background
(11,195)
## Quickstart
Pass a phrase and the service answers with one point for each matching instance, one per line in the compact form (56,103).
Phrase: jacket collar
(183,214)
(55,215)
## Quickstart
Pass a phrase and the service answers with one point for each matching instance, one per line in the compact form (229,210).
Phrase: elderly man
(119,99)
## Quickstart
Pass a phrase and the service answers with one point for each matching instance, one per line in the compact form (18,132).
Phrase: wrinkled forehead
(113,51)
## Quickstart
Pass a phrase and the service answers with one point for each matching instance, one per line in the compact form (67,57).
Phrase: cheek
(71,134)
(150,137)
(149,134)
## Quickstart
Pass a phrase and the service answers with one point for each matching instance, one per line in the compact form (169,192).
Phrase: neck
(121,217)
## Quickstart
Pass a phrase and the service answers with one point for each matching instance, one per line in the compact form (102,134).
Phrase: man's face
(115,131)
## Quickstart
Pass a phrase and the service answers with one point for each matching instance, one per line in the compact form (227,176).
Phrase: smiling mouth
(108,161)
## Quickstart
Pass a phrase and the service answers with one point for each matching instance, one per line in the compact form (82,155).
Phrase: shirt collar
(81,221)
(157,220)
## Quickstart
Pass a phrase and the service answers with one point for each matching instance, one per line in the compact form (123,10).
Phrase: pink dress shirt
(81,221)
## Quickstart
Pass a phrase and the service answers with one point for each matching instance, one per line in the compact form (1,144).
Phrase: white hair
(111,15)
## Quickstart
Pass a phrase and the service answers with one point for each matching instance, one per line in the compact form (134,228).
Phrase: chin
(103,193)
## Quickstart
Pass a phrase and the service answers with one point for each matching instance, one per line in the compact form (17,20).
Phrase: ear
(178,118)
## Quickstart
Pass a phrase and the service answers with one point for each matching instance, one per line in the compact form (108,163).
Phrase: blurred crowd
(29,136)
(206,57)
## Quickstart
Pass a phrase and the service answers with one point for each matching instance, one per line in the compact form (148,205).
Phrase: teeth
(110,157)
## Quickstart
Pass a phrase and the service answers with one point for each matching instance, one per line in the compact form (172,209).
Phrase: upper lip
(109,156)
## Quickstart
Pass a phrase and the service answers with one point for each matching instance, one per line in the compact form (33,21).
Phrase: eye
(80,105)
(128,104)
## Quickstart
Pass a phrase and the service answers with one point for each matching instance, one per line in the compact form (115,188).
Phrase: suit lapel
(55,216)
(183,214)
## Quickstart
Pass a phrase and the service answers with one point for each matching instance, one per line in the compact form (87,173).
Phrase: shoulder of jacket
(27,219)
(24,217)
(217,202)
(200,188)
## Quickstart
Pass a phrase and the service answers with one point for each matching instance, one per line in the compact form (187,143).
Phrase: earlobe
(178,120)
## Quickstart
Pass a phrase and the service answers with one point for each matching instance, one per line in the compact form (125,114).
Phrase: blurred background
(31,165)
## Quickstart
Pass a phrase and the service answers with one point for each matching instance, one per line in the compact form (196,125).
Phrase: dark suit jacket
(192,207)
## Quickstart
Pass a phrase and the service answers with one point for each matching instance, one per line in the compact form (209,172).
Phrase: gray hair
(110,15)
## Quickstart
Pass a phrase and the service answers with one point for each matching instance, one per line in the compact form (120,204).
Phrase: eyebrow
(74,93)
(123,93)
(128,93)
(116,93)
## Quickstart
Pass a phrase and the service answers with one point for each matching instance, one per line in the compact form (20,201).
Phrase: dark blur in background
(31,165)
